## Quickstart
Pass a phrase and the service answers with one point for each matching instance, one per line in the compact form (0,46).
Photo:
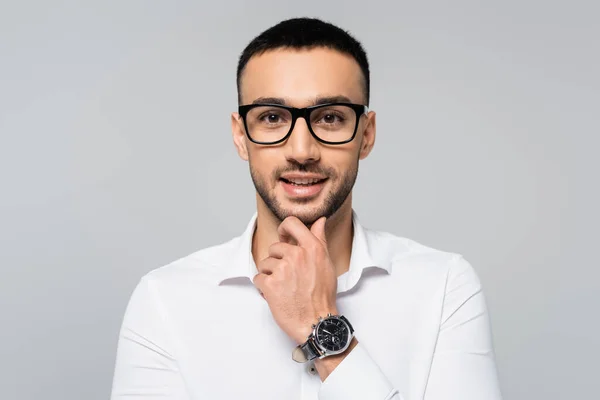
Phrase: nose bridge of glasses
(301,114)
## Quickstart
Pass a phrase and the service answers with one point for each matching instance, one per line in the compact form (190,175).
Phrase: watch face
(332,334)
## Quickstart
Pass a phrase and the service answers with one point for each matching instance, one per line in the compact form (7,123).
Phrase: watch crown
(313,326)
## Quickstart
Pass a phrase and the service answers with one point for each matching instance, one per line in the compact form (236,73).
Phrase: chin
(307,214)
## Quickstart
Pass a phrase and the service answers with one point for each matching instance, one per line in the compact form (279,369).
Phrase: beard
(342,186)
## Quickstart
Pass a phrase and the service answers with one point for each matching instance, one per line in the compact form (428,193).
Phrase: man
(307,303)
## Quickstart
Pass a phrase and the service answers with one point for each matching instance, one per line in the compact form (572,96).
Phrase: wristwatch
(331,335)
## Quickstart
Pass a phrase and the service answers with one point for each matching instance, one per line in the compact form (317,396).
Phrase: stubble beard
(332,202)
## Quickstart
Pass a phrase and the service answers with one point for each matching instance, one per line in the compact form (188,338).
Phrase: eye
(273,118)
(269,117)
(331,118)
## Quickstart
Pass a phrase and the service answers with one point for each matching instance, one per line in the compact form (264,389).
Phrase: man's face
(300,78)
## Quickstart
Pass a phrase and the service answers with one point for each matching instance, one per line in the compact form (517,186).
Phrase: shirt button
(312,370)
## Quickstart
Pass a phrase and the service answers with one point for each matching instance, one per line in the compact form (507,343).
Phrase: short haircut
(306,33)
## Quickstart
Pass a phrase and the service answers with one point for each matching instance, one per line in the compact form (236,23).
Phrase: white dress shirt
(198,329)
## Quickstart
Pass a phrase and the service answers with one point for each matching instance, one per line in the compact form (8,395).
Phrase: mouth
(303,182)
(302,187)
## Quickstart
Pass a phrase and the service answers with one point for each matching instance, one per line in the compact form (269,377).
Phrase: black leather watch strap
(309,350)
(348,322)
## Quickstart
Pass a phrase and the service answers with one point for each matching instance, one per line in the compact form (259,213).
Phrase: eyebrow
(317,101)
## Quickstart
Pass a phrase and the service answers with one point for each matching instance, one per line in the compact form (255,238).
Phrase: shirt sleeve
(145,364)
(358,377)
(463,365)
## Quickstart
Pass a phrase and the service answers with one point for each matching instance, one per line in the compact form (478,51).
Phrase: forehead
(301,75)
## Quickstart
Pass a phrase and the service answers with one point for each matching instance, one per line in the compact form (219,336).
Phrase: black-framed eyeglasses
(331,123)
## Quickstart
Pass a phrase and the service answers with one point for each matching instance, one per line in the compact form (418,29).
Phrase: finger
(280,249)
(293,228)
(267,266)
(318,229)
(259,282)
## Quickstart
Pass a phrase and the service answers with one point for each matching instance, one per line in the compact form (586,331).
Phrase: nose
(301,146)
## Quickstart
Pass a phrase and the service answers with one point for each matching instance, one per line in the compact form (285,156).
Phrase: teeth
(304,181)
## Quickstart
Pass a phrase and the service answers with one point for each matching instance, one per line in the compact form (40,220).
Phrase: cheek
(263,162)
(343,162)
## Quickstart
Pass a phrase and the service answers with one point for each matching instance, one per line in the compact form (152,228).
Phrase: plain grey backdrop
(116,158)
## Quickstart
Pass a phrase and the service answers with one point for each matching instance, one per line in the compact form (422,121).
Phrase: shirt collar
(242,263)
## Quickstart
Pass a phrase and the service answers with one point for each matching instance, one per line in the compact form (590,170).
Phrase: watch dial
(333,334)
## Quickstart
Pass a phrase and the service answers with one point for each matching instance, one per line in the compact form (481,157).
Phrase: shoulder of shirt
(403,252)
(203,265)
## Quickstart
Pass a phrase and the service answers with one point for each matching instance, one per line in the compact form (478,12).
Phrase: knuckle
(298,253)
(276,279)
(283,264)
(315,247)
(321,249)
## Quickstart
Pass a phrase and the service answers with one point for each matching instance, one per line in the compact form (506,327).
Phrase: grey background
(116,158)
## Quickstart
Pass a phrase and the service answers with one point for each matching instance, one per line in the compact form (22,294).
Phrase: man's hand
(298,279)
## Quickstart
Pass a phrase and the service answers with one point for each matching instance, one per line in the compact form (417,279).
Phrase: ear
(368,138)
(239,135)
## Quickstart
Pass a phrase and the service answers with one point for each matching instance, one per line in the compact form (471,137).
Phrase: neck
(338,231)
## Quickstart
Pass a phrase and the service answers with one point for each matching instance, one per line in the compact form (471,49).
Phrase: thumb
(318,229)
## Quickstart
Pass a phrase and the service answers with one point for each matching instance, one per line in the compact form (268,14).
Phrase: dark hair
(306,33)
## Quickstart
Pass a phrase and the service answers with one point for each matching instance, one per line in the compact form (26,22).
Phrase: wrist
(307,327)
(326,365)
